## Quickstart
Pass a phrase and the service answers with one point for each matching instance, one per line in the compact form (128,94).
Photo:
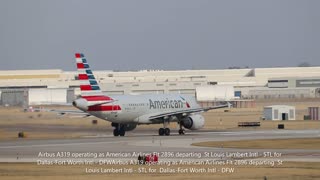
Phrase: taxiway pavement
(24,150)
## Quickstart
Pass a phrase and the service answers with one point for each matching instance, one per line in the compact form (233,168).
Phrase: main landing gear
(164,131)
(119,129)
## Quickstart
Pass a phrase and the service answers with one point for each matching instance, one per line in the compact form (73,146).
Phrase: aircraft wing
(228,105)
(176,113)
(187,111)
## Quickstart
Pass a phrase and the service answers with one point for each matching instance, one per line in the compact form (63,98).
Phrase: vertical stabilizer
(88,83)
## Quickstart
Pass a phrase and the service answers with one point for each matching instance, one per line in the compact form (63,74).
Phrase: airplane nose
(81,104)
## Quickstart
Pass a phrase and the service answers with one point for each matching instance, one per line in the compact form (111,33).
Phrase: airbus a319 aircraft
(125,112)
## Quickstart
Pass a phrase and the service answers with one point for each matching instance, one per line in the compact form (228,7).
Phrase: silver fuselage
(138,108)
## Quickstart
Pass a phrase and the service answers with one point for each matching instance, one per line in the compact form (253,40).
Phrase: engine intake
(193,122)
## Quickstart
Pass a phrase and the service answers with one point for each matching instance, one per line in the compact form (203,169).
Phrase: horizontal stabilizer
(100,103)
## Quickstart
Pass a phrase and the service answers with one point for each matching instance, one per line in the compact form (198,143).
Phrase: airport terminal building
(57,86)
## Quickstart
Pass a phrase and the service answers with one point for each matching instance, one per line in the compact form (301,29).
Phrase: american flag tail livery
(89,87)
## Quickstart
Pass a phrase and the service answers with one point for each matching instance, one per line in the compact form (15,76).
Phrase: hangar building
(279,112)
(247,84)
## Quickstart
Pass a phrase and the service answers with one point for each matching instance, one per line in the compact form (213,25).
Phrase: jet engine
(193,122)
(130,127)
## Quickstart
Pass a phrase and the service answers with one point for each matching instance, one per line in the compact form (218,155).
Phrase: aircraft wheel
(122,132)
(167,131)
(181,131)
(161,132)
(116,132)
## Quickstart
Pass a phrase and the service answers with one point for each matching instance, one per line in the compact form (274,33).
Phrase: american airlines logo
(166,104)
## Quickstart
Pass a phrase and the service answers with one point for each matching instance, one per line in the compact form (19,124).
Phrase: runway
(24,150)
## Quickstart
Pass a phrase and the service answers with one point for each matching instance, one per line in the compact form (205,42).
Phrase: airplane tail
(88,83)
(90,90)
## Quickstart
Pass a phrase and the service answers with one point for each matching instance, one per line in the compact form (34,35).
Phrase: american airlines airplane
(125,112)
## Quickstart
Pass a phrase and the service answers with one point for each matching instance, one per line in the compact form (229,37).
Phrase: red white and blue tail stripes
(88,83)
(90,90)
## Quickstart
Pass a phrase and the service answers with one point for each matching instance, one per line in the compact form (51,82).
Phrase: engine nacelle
(193,122)
(130,127)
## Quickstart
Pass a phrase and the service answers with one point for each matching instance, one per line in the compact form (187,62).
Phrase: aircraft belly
(119,117)
(99,114)
(116,116)
(125,117)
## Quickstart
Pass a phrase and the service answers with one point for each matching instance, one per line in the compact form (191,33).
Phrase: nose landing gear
(181,130)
